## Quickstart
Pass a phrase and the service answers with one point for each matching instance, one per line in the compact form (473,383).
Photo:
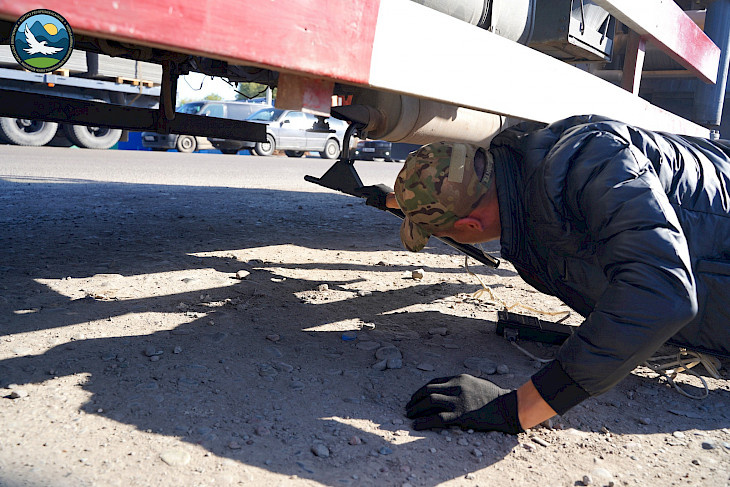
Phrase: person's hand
(375,195)
(464,401)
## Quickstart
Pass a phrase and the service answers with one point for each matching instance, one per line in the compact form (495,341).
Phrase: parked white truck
(85,76)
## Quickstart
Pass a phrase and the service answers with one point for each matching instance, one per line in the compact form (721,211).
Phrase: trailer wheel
(186,143)
(21,131)
(92,137)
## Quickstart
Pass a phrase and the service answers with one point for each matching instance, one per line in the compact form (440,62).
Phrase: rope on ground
(684,360)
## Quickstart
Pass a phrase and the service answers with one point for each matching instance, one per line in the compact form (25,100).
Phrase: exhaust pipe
(401,118)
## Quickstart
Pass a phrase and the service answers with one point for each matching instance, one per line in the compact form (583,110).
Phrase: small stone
(695,462)
(725,445)
(678,434)
(481,365)
(394,363)
(388,352)
(470,476)
(321,450)
(462,442)
(425,367)
(380,365)
(540,441)
(385,450)
(273,337)
(587,480)
(355,440)
(234,445)
(18,394)
(708,445)
(441,330)
(150,351)
(432,450)
(154,358)
(477,452)
(502,369)
(417,274)
(242,274)
(645,421)
(284,367)
(323,287)
(602,477)
(177,349)
(262,431)
(175,457)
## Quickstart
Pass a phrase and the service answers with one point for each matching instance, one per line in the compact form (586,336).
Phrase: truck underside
(461,70)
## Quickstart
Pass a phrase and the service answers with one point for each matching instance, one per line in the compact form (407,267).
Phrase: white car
(293,132)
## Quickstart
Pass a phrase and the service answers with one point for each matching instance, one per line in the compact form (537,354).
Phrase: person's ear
(468,223)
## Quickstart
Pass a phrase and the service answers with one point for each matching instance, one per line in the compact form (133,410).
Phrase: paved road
(60,164)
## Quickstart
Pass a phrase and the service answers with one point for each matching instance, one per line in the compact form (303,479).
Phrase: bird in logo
(36,47)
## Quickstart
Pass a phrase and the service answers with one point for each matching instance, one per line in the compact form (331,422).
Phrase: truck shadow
(258,370)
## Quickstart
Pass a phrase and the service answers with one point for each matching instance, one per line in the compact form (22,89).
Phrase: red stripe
(330,38)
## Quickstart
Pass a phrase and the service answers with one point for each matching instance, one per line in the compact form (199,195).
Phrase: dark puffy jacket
(628,227)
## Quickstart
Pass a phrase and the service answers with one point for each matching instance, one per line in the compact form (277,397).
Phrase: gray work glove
(375,195)
(467,402)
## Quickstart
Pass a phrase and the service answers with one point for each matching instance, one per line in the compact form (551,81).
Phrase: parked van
(235,110)
(293,132)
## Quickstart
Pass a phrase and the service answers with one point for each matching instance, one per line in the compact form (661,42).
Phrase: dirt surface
(199,336)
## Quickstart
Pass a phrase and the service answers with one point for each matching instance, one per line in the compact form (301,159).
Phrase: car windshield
(266,115)
(190,108)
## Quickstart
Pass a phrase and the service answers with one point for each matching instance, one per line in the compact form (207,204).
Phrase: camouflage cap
(437,186)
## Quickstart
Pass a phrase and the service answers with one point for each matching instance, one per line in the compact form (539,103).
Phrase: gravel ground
(201,336)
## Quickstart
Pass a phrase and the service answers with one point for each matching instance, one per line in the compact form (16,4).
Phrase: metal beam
(663,22)
(17,104)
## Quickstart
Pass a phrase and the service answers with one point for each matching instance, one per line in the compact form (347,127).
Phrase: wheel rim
(29,126)
(332,149)
(267,146)
(98,131)
(186,143)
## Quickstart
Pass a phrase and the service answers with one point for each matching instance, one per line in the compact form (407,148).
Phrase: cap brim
(413,236)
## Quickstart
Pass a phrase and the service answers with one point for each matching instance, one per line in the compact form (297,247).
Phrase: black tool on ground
(343,177)
(515,326)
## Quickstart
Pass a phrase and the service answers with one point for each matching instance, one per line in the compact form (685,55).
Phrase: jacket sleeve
(612,191)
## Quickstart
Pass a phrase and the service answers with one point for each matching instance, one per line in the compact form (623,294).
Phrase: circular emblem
(41,41)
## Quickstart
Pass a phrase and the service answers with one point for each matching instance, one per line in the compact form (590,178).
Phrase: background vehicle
(85,76)
(236,110)
(368,150)
(292,131)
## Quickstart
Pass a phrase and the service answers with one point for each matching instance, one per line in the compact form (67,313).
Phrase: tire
(186,143)
(331,150)
(158,149)
(21,131)
(266,148)
(229,151)
(92,137)
(294,153)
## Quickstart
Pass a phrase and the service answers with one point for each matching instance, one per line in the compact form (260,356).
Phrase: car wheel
(266,148)
(92,137)
(294,153)
(331,150)
(186,143)
(22,131)
(229,151)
